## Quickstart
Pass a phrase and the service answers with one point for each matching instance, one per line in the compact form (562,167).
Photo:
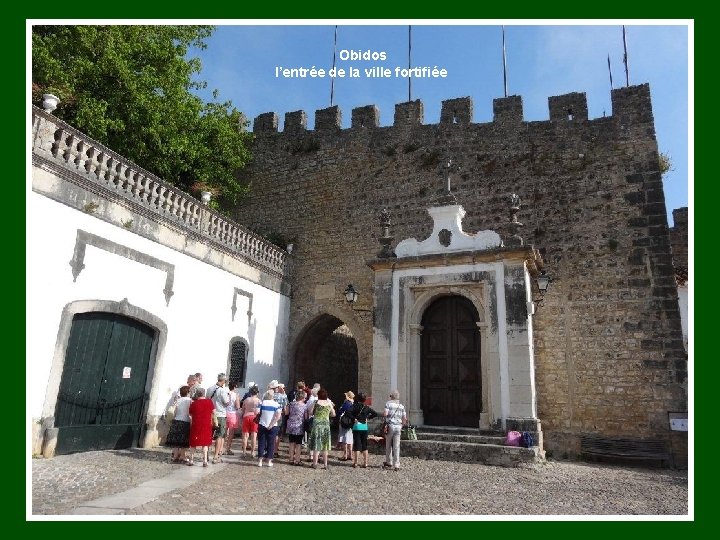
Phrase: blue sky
(542,60)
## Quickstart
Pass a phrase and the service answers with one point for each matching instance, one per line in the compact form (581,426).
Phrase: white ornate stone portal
(447,235)
(445,374)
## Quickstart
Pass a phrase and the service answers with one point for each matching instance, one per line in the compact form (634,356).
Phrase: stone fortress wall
(608,342)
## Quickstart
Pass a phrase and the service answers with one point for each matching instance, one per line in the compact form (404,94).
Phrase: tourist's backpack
(527,440)
(513,438)
(346,420)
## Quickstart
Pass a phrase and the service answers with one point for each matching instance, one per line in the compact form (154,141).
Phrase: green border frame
(15,274)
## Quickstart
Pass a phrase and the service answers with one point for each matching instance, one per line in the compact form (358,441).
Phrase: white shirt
(182,409)
(312,399)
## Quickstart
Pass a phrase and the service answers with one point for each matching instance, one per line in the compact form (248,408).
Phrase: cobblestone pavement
(63,483)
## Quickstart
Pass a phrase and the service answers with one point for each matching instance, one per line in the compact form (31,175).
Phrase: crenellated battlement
(629,104)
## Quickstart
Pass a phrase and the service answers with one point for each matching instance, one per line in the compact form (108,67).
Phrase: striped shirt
(268,408)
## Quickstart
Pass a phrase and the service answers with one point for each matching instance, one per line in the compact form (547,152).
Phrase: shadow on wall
(262,370)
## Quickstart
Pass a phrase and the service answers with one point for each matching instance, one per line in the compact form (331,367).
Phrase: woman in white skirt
(179,434)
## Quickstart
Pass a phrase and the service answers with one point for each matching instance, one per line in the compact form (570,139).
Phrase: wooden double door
(450,379)
(102,397)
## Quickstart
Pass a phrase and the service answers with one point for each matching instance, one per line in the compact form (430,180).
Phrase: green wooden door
(102,395)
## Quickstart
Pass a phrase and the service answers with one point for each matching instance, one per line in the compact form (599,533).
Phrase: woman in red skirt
(201,427)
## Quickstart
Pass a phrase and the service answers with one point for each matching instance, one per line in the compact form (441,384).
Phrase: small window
(238,361)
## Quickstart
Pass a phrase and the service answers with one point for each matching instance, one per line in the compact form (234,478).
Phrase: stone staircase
(469,445)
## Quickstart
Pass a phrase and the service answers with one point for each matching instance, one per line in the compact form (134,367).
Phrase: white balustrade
(59,143)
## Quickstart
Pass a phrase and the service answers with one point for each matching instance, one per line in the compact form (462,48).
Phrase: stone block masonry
(607,338)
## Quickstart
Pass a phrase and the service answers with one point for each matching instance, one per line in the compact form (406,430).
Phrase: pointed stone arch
(327,351)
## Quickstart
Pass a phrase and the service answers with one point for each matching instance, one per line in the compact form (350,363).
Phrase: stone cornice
(527,254)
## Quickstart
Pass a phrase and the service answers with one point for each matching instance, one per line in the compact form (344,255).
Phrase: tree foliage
(131,88)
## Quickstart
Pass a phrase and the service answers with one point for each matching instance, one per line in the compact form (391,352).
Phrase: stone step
(467,452)
(457,430)
(452,437)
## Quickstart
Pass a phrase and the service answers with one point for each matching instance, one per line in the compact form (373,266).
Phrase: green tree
(131,88)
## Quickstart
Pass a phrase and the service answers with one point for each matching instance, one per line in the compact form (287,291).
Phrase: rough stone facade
(608,343)
(679,243)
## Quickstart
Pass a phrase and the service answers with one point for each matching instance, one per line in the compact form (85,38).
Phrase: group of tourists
(199,416)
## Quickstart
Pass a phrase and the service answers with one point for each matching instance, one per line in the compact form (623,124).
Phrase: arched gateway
(326,352)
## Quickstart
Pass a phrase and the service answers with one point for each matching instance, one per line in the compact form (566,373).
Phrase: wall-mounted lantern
(351,295)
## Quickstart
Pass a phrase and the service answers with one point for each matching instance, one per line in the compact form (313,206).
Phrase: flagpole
(409,62)
(332,79)
(610,72)
(504,62)
(625,59)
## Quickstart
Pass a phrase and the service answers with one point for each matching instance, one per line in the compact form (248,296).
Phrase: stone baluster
(70,154)
(160,201)
(60,145)
(186,212)
(195,216)
(80,157)
(137,187)
(182,209)
(169,201)
(200,211)
(182,204)
(153,193)
(170,196)
(203,217)
(179,204)
(110,171)
(101,167)
(193,213)
(130,184)
(221,230)
(119,181)
(91,162)
(144,190)
(172,202)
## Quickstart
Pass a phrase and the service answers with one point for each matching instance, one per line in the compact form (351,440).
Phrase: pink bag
(513,438)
